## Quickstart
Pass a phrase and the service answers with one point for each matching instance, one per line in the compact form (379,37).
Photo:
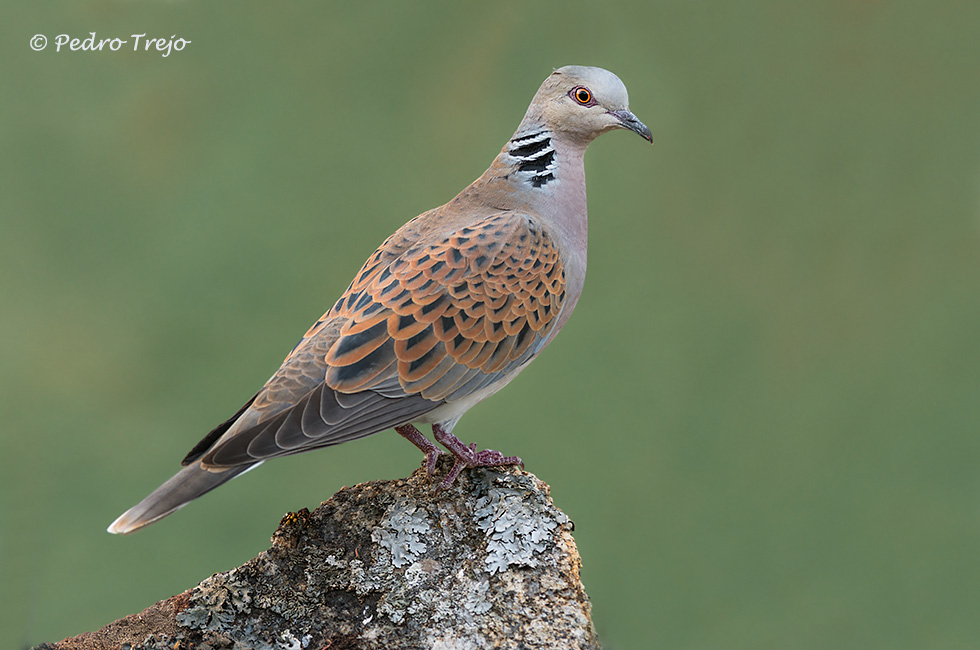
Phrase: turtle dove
(444,314)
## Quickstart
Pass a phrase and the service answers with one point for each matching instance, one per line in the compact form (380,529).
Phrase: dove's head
(583,102)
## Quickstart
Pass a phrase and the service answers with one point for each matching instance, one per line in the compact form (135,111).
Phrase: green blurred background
(762,419)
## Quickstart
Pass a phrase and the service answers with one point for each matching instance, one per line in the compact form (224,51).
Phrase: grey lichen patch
(517,526)
(476,600)
(401,532)
(215,605)
(221,603)
(290,641)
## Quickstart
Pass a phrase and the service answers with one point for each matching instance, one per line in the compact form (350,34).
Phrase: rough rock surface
(488,563)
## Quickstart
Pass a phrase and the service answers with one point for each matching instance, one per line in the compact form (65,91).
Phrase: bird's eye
(582,95)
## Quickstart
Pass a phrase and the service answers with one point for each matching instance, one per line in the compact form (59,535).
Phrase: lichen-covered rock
(488,563)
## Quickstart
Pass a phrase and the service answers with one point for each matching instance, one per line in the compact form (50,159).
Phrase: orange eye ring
(582,95)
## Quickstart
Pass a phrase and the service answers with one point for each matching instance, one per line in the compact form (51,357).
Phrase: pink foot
(468,456)
(431,452)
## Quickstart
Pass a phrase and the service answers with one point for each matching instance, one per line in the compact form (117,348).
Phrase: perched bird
(443,315)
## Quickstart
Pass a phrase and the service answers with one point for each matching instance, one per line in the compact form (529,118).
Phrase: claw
(468,456)
(451,476)
(431,459)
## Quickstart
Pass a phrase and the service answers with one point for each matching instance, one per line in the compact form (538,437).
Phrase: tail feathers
(182,488)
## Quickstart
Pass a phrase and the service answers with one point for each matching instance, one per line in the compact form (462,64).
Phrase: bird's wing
(427,321)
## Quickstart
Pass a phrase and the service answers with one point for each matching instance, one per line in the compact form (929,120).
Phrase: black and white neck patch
(535,157)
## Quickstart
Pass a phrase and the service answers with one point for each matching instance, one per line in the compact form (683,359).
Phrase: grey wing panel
(321,418)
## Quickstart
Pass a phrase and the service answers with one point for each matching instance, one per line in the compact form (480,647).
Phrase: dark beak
(629,121)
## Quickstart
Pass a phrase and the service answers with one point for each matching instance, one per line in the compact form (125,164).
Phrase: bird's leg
(415,437)
(468,456)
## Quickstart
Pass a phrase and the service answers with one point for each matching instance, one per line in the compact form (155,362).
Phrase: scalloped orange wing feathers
(422,324)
